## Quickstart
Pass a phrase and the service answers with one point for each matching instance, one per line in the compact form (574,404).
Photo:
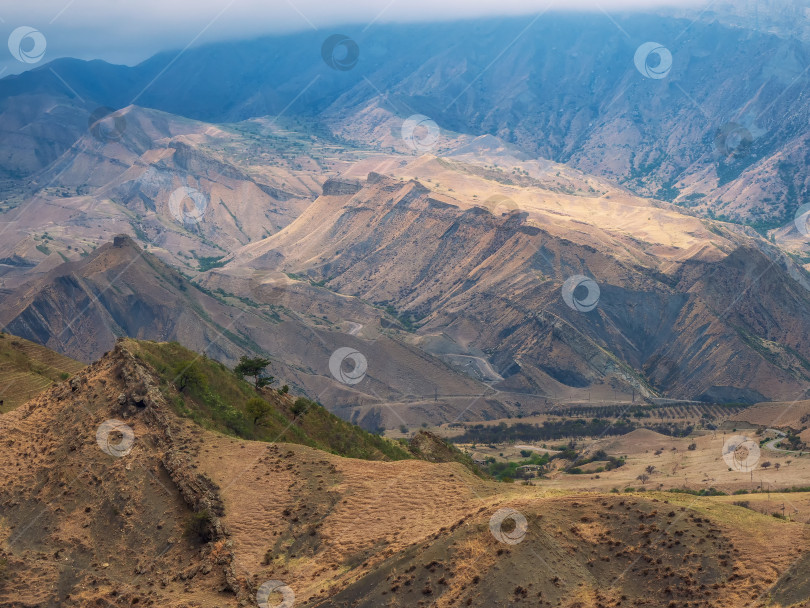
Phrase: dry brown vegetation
(193,518)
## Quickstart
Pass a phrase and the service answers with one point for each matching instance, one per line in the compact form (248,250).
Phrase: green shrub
(258,410)
(188,376)
(301,405)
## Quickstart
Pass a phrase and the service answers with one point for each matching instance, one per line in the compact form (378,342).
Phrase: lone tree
(258,409)
(643,478)
(254,368)
(187,376)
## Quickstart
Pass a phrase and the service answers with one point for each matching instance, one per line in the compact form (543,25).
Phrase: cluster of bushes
(507,471)
(549,430)
(611,462)
(560,429)
(792,442)
(701,492)
(223,400)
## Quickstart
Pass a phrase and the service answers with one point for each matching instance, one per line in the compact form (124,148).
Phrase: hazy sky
(128,31)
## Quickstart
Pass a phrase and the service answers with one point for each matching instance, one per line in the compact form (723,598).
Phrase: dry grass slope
(26,369)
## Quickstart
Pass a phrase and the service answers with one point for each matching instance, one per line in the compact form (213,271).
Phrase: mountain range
(492,313)
(273,205)
(565,88)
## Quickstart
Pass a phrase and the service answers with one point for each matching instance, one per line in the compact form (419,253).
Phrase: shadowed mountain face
(476,279)
(562,87)
(81,307)
(695,322)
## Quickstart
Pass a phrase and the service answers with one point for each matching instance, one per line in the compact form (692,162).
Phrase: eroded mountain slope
(680,298)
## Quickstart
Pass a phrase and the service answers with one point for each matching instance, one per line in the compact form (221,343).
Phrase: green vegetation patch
(218,399)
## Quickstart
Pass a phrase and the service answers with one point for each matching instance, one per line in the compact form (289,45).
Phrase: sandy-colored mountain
(477,262)
(138,179)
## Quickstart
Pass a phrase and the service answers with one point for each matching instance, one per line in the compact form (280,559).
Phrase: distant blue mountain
(561,86)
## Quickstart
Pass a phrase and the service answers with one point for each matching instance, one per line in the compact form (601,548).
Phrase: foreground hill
(214,396)
(155,510)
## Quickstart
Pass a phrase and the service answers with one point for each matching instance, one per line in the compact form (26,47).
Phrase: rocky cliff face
(696,321)
(107,506)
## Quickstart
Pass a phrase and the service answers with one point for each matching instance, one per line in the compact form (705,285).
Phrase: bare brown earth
(83,528)
(792,414)
(101,188)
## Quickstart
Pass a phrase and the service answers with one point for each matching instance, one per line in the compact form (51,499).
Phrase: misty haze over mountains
(387,307)
(565,89)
